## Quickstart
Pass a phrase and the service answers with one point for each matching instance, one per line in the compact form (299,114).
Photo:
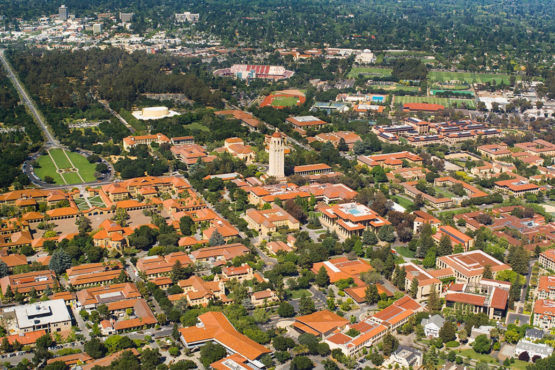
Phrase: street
(51,141)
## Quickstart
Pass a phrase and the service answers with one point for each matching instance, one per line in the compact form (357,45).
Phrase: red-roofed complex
(214,326)
(350,219)
(457,237)
(349,137)
(24,283)
(538,147)
(306,122)
(267,221)
(547,259)
(546,287)
(517,186)
(156,266)
(248,71)
(90,298)
(132,141)
(487,296)
(469,266)
(544,314)
(342,268)
(219,254)
(246,118)
(426,282)
(390,160)
(320,323)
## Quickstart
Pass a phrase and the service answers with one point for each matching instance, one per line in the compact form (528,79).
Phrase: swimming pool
(379,99)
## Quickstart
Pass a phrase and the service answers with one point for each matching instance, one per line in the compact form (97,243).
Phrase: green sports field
(468,77)
(57,164)
(284,101)
(447,102)
(369,72)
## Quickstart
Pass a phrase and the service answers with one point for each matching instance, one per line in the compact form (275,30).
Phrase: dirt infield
(269,100)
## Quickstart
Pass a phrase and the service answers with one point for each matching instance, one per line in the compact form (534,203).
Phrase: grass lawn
(197,126)
(47,168)
(72,178)
(404,202)
(443,192)
(476,356)
(520,365)
(369,72)
(285,101)
(405,252)
(447,102)
(468,77)
(97,201)
(86,169)
(81,204)
(137,124)
(394,87)
(295,294)
(60,158)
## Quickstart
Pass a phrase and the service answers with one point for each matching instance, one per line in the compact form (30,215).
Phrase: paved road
(116,114)
(51,141)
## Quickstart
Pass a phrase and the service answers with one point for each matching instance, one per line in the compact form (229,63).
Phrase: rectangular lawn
(284,101)
(468,77)
(60,158)
(47,168)
(369,72)
(72,178)
(86,169)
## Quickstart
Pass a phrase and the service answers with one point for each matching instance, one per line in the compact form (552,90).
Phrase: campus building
(50,316)
(268,221)
(215,327)
(544,314)
(350,219)
(468,267)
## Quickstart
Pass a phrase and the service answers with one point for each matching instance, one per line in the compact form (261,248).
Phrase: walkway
(73,166)
(57,168)
(51,141)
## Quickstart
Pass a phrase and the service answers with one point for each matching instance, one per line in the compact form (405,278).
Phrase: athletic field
(468,77)
(285,101)
(369,72)
(446,102)
(65,167)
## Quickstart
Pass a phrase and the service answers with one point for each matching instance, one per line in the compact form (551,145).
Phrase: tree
(342,146)
(306,305)
(150,358)
(216,239)
(390,344)
(518,260)
(180,272)
(414,287)
(448,332)
(487,274)
(211,352)
(83,225)
(445,247)
(4,269)
(260,315)
(371,294)
(59,262)
(386,234)
(281,343)
(41,349)
(434,303)
(400,277)
(95,348)
(430,260)
(286,309)
(187,225)
(322,277)
(482,344)
(369,237)
(301,363)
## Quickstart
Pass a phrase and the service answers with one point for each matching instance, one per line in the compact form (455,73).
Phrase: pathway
(57,168)
(51,141)
(73,166)
(117,115)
